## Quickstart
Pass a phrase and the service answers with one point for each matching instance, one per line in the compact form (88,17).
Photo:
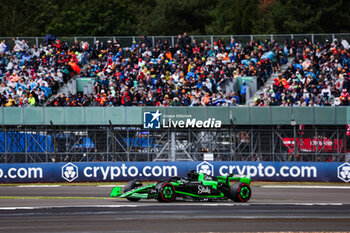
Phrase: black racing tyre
(240,192)
(166,192)
(131,185)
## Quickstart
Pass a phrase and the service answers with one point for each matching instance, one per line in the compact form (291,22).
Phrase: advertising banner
(314,144)
(157,120)
(124,171)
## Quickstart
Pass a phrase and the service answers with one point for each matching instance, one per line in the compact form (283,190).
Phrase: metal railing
(126,41)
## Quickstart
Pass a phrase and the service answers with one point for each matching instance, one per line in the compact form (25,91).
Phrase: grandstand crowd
(29,75)
(192,73)
(318,76)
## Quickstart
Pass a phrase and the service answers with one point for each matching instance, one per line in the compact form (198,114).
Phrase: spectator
(243,92)
(148,42)
(31,100)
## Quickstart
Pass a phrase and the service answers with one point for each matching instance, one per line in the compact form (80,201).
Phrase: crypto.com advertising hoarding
(124,171)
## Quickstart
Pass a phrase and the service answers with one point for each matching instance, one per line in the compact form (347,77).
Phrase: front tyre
(131,185)
(166,192)
(240,192)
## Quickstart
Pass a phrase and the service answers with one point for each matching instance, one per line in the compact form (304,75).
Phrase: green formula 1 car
(196,186)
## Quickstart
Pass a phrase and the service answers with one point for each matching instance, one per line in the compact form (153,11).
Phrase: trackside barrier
(124,171)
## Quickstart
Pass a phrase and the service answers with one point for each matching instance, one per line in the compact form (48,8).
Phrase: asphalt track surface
(270,209)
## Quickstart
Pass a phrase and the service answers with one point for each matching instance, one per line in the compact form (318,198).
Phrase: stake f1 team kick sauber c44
(196,186)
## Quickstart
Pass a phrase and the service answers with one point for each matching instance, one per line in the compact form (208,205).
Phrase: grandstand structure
(120,134)
(311,126)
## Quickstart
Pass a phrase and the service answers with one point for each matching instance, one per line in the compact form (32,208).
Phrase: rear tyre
(166,192)
(240,192)
(131,185)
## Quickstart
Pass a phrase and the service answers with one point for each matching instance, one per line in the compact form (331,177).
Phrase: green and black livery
(196,186)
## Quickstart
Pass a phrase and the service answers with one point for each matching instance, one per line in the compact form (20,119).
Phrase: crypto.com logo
(205,168)
(69,172)
(151,120)
(344,172)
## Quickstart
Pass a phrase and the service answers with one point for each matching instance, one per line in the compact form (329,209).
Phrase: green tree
(238,17)
(23,17)
(165,17)
(311,16)
(90,18)
(223,16)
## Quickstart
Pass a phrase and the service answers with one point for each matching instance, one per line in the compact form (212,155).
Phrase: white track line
(58,207)
(55,186)
(38,186)
(305,186)
(168,204)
